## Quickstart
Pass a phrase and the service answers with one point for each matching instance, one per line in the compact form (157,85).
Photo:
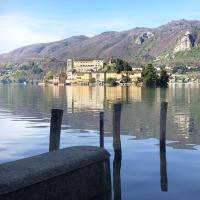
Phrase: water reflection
(81,105)
(163,172)
(117,177)
(117,151)
(25,117)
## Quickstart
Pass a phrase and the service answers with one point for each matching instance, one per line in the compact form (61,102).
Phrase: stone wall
(74,173)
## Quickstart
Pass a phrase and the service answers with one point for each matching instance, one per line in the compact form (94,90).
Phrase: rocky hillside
(175,43)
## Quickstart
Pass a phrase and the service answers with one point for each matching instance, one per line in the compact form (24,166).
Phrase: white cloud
(17,31)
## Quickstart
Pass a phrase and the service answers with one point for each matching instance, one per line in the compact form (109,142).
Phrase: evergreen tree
(149,76)
(163,79)
(118,65)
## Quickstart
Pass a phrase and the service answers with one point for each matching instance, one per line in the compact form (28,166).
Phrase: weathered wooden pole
(101,129)
(163,119)
(116,129)
(163,161)
(55,128)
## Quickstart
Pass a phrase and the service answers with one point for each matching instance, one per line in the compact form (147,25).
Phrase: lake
(143,172)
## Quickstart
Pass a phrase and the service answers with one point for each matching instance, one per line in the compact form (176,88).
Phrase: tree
(118,65)
(112,81)
(122,65)
(63,70)
(127,67)
(20,76)
(73,71)
(37,70)
(92,80)
(163,79)
(49,75)
(149,76)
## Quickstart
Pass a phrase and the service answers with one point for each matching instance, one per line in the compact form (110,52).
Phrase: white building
(84,65)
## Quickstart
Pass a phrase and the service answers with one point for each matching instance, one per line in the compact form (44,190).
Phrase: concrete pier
(75,173)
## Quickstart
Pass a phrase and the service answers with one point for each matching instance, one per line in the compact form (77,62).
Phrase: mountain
(175,43)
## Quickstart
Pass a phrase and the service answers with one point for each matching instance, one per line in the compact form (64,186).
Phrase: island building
(100,77)
(58,80)
(84,65)
(88,71)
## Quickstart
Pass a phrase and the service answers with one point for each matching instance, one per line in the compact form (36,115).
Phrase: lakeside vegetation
(27,72)
(33,72)
(116,65)
(150,77)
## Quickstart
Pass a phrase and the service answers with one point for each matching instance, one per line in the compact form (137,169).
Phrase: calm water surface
(143,172)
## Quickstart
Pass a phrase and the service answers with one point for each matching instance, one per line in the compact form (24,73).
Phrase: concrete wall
(74,173)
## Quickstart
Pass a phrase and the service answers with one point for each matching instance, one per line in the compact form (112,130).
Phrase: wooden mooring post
(163,119)
(163,160)
(55,128)
(101,134)
(116,129)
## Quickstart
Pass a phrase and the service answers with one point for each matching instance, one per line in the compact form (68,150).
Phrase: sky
(24,22)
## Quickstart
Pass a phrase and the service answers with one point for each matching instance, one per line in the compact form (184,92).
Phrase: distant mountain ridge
(174,43)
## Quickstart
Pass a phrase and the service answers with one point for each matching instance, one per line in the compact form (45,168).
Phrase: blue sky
(26,22)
